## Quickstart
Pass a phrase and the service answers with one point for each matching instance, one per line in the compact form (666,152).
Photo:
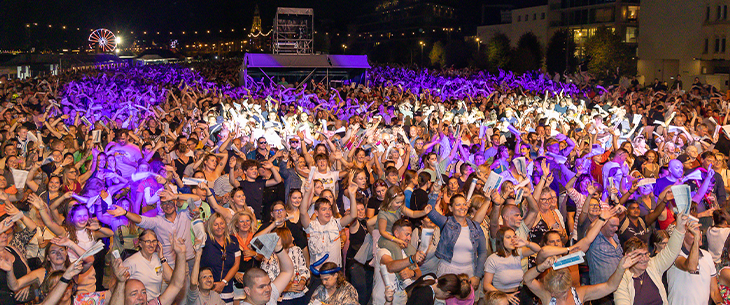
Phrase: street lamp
(344,47)
(478,44)
(422,44)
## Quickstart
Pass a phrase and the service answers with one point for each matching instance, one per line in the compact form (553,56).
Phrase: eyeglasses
(262,143)
(549,198)
(279,211)
(148,242)
(294,142)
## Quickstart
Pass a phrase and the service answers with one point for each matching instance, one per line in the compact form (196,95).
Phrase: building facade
(685,37)
(581,17)
(518,21)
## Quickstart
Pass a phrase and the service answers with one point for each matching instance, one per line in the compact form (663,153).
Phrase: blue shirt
(603,258)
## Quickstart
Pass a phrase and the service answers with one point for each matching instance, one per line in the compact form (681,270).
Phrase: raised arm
(705,186)
(276,178)
(42,208)
(213,203)
(497,205)
(287,268)
(530,279)
(30,180)
(691,262)
(595,292)
(596,226)
(117,211)
(54,297)
(178,275)
(306,201)
(587,203)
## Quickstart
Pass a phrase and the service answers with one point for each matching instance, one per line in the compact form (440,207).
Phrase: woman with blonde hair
(722,169)
(241,227)
(222,254)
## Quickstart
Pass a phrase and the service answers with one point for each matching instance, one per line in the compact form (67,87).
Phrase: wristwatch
(224,281)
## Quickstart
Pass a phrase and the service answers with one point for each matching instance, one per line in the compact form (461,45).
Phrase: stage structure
(301,69)
(293,31)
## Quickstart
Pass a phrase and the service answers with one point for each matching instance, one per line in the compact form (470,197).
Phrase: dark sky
(151,15)
(166,16)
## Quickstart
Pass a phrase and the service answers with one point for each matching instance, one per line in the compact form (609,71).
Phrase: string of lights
(233,30)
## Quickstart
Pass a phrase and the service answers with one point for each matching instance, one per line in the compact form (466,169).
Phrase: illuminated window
(632,13)
(632,35)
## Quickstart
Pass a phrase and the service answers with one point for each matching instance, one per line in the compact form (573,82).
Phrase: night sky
(150,15)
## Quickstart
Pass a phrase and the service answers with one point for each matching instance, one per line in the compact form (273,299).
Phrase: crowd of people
(161,184)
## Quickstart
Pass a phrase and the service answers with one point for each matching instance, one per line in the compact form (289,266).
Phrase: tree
(498,50)
(457,53)
(556,55)
(437,55)
(609,56)
(527,55)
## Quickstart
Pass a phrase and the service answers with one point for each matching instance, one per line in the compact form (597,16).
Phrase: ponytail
(464,287)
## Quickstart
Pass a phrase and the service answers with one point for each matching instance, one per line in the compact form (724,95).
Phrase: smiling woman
(222,254)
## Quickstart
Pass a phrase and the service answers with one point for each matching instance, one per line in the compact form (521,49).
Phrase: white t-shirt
(325,239)
(507,271)
(463,245)
(716,237)
(147,272)
(378,294)
(329,180)
(687,288)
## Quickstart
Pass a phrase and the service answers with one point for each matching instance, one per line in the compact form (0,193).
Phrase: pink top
(456,301)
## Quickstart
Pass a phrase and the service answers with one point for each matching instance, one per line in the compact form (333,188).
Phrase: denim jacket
(450,230)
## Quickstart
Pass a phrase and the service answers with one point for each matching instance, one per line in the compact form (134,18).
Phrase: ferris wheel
(103,39)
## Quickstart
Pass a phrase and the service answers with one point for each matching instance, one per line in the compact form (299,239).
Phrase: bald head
(135,293)
(676,168)
(511,216)
(249,278)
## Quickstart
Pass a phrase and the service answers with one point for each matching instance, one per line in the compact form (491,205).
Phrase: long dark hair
(501,250)
(455,285)
(47,263)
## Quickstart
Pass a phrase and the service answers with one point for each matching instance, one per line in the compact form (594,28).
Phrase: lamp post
(478,44)
(422,44)
(344,47)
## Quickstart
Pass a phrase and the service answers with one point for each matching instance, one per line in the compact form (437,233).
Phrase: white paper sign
(192,181)
(569,260)
(682,198)
(493,181)
(96,135)
(426,235)
(19,176)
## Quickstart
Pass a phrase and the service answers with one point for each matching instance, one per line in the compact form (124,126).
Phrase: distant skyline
(40,23)
(152,16)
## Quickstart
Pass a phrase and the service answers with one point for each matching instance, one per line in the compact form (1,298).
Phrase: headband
(320,262)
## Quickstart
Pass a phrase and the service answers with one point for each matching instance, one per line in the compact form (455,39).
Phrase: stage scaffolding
(293,31)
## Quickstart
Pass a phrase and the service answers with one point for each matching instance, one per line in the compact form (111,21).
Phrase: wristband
(537,268)
(224,281)
(125,213)
(601,218)
(64,280)
(163,260)
(410,259)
